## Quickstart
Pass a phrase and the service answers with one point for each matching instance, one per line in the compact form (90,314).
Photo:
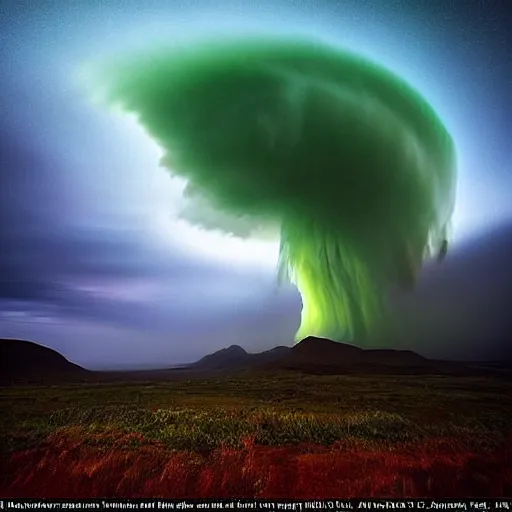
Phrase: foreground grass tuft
(204,430)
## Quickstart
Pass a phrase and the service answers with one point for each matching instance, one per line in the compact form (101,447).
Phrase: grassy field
(287,435)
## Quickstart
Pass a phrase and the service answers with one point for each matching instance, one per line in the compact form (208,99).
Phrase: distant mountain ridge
(312,354)
(27,361)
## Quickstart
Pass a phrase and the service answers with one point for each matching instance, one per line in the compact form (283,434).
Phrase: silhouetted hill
(312,350)
(236,357)
(274,354)
(226,358)
(21,359)
(323,356)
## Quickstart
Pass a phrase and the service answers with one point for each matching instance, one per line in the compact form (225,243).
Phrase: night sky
(93,262)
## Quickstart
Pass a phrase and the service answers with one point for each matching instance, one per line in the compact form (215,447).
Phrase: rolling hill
(21,359)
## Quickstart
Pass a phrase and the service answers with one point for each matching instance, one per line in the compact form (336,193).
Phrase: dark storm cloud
(51,266)
(82,273)
(461,309)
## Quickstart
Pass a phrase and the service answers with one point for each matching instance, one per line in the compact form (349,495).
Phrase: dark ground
(261,434)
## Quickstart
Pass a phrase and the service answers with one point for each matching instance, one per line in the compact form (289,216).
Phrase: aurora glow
(354,165)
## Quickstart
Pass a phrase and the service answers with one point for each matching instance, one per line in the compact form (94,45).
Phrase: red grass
(78,465)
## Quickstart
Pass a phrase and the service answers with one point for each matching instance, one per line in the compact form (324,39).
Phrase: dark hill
(230,357)
(21,359)
(235,357)
(320,355)
(313,350)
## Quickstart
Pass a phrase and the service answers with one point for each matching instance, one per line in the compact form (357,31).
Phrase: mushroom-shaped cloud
(349,160)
